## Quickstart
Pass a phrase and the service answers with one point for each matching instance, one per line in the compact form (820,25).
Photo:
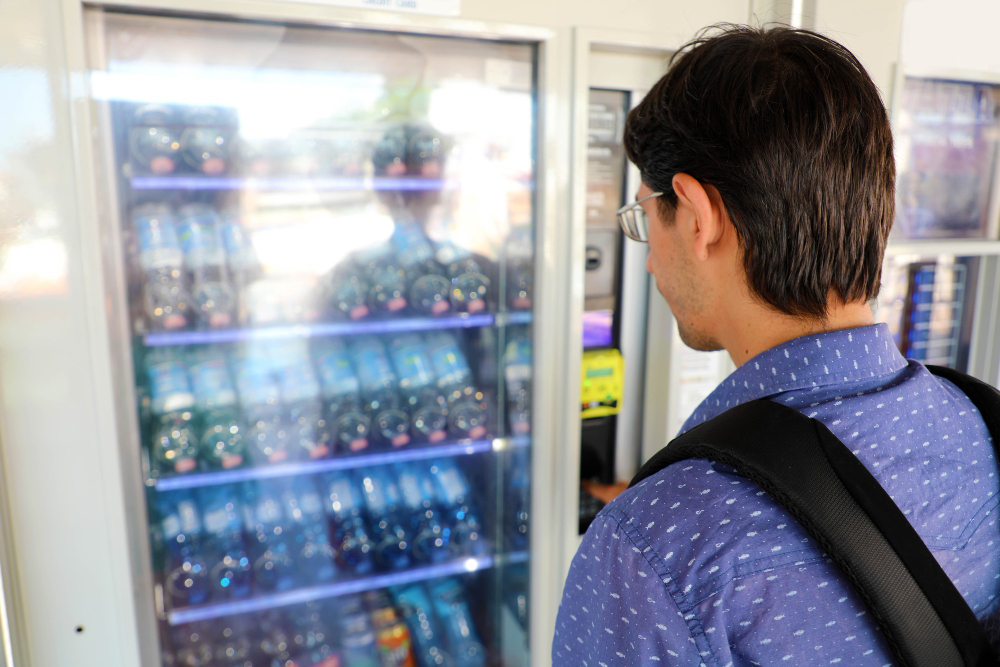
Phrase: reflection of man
(767,197)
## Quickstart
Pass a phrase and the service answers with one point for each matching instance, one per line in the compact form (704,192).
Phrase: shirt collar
(813,361)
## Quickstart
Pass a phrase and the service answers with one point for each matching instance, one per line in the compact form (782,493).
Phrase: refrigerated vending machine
(318,235)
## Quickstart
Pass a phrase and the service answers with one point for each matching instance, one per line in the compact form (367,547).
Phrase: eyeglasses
(634,221)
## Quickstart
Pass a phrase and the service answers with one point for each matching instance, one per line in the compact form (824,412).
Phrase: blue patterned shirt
(699,566)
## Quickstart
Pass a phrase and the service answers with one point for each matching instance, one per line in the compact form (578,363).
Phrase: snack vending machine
(323,256)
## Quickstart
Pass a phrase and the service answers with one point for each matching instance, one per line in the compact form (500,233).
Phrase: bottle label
(450,365)
(188,513)
(453,485)
(342,496)
(410,489)
(159,247)
(217,520)
(299,383)
(171,527)
(213,388)
(201,239)
(412,366)
(375,496)
(169,388)
(255,383)
(310,502)
(374,370)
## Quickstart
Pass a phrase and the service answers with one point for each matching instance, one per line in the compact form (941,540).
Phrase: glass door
(327,243)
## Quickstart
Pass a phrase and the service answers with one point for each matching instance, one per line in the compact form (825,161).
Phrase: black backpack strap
(810,472)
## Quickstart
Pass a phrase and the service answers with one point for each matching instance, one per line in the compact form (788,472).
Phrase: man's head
(782,134)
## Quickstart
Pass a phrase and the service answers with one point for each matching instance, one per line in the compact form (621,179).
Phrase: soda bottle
(300,392)
(428,639)
(260,397)
(205,259)
(469,285)
(221,441)
(431,533)
(186,581)
(424,400)
(347,293)
(348,532)
(347,424)
(392,638)
(309,532)
(205,143)
(429,288)
(520,269)
(165,297)
(390,424)
(455,495)
(517,376)
(230,571)
(453,612)
(153,141)
(264,523)
(174,447)
(467,412)
(393,546)
(357,638)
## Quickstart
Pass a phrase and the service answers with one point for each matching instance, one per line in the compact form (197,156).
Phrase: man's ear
(706,215)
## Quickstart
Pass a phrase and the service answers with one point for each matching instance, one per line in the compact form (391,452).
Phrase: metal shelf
(463,448)
(318,330)
(336,589)
(285,184)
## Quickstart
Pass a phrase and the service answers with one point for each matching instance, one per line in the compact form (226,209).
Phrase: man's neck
(760,328)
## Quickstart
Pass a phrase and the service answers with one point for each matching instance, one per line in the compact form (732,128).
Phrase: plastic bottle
(429,289)
(469,285)
(467,409)
(205,143)
(357,637)
(241,256)
(452,610)
(347,294)
(300,393)
(347,423)
(393,545)
(166,300)
(309,533)
(520,269)
(189,646)
(212,291)
(392,637)
(517,376)
(187,579)
(428,638)
(264,523)
(348,533)
(424,400)
(153,141)
(230,638)
(260,397)
(390,424)
(174,446)
(230,570)
(518,494)
(385,277)
(455,496)
(221,439)
(430,530)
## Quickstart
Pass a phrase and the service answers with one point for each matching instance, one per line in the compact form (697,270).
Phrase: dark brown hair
(790,129)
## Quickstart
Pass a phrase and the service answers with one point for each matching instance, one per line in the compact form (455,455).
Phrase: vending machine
(318,241)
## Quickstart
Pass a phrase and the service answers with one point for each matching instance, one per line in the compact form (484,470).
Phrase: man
(767,197)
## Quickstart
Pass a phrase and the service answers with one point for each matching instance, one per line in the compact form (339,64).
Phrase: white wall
(958,35)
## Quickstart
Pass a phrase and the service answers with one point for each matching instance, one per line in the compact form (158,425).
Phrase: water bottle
(347,423)
(469,285)
(187,579)
(347,293)
(212,292)
(221,441)
(430,531)
(453,612)
(241,256)
(393,546)
(385,277)
(424,400)
(518,495)
(392,638)
(429,288)
(517,376)
(174,447)
(205,144)
(468,411)
(390,424)
(300,392)
(348,532)
(230,571)
(260,397)
(428,638)
(357,637)
(165,297)
(455,495)
(520,269)
(309,532)
(264,523)
(153,141)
